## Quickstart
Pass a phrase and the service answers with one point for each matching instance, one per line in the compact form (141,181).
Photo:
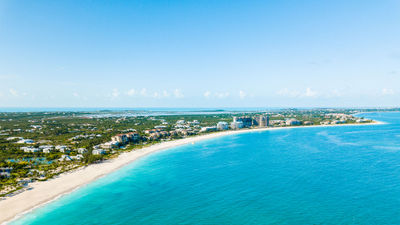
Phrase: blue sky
(209,53)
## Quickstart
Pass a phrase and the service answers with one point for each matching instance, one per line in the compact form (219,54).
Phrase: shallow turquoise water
(333,175)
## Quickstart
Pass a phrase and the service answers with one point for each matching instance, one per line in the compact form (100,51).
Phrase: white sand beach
(44,192)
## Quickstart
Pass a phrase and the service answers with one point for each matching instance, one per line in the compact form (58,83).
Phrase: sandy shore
(44,192)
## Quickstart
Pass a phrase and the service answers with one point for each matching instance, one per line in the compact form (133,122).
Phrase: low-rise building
(109,145)
(13,138)
(30,149)
(47,150)
(65,158)
(63,148)
(82,150)
(25,141)
(361,120)
(5,172)
(58,147)
(98,151)
(46,146)
(180,122)
(308,123)
(208,129)
(277,123)
(160,127)
(77,157)
(338,122)
(194,123)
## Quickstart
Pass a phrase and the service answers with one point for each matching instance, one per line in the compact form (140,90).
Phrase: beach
(44,192)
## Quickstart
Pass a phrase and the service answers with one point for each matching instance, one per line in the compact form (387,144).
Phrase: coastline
(44,192)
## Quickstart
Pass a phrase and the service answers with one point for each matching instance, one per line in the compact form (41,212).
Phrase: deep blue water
(331,175)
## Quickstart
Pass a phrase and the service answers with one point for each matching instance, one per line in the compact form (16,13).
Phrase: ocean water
(329,175)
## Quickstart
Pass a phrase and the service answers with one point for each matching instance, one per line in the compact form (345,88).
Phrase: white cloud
(143,92)
(162,94)
(156,95)
(78,96)
(222,94)
(242,94)
(131,92)
(14,92)
(310,93)
(207,94)
(386,91)
(166,94)
(285,92)
(178,93)
(335,93)
(115,93)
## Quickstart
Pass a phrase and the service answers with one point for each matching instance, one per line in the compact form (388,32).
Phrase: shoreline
(45,192)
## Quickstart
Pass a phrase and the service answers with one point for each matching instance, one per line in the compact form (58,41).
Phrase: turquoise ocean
(317,175)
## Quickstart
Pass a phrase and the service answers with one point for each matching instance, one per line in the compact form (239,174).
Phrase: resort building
(133,136)
(236,125)
(246,120)
(154,136)
(222,125)
(120,138)
(263,121)
(292,122)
